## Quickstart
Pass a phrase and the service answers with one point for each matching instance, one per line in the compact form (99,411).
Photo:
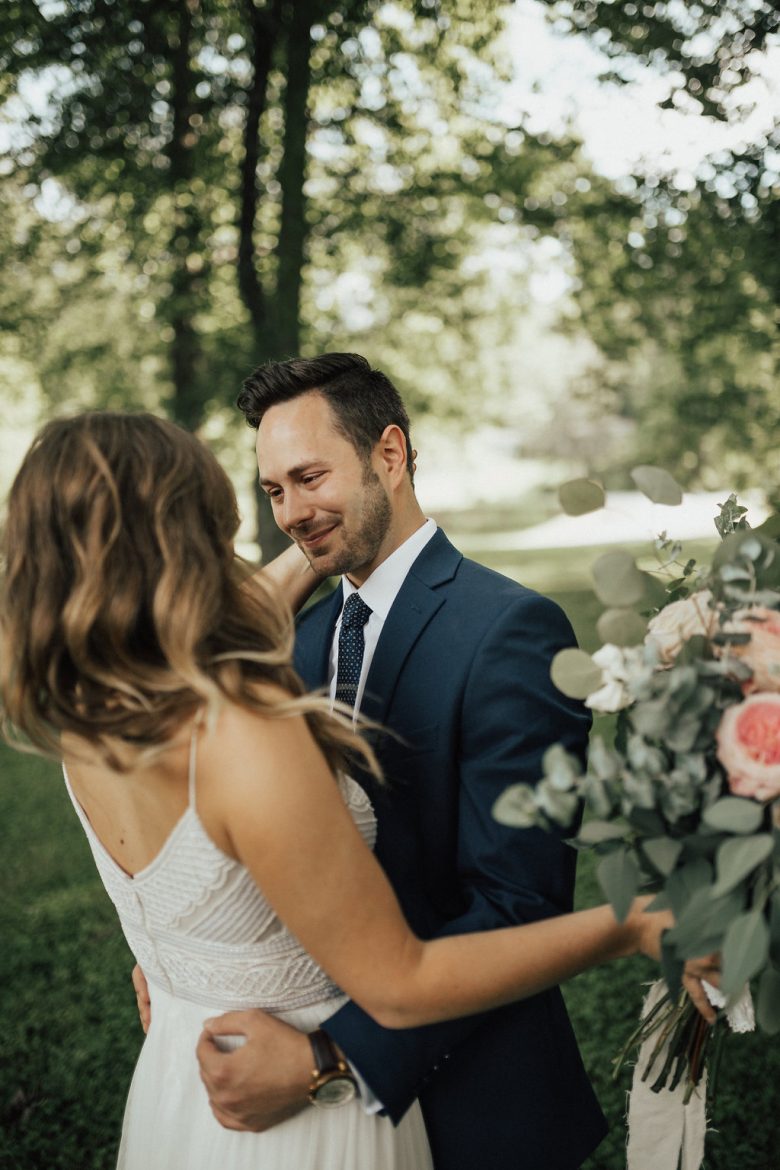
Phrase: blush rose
(681,620)
(749,746)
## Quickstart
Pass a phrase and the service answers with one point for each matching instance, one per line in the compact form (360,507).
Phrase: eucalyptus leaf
(774,928)
(575,673)
(751,547)
(671,964)
(658,485)
(768,1002)
(682,735)
(617,580)
(651,717)
(597,796)
(703,922)
(659,902)
(579,496)
(735,573)
(603,762)
(561,768)
(647,821)
(738,857)
(734,814)
(730,549)
(693,650)
(663,852)
(745,951)
(770,527)
(748,548)
(516,807)
(560,807)
(622,627)
(618,875)
(731,516)
(655,595)
(594,832)
(686,881)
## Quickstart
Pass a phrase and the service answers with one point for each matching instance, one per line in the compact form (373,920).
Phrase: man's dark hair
(364,401)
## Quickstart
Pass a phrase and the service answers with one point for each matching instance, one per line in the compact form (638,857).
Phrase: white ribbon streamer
(740,1016)
(665,1133)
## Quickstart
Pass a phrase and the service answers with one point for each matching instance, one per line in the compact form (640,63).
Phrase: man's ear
(391,451)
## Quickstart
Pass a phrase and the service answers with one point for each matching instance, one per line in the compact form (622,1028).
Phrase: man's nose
(296,509)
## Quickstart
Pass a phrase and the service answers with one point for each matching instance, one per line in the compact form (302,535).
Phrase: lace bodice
(199,926)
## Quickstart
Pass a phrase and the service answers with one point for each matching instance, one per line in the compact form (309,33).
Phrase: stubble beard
(361,547)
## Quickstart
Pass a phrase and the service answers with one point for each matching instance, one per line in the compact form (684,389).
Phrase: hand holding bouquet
(686,802)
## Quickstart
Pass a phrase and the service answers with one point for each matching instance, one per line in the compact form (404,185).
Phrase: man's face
(323,495)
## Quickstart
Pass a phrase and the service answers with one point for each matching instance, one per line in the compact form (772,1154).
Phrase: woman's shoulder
(251,738)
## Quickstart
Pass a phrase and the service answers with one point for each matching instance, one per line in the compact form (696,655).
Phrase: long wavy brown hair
(124,607)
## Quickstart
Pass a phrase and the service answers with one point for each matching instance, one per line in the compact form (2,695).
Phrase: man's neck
(396,537)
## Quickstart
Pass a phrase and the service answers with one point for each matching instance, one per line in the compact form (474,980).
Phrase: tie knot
(356,612)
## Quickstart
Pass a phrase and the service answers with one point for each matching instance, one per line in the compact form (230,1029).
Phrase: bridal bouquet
(686,801)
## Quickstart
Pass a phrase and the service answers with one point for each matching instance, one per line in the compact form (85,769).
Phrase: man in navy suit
(456,666)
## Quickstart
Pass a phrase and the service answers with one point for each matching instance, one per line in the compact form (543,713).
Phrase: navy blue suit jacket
(461,676)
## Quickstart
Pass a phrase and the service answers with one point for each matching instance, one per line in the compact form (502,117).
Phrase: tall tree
(681,279)
(215,156)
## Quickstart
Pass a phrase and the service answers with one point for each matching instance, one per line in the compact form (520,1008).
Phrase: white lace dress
(208,942)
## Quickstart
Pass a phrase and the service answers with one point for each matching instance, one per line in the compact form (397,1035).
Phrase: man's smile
(313,540)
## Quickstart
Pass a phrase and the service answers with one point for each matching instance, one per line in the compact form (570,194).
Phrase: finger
(226,1119)
(143,1002)
(209,1057)
(705,968)
(140,984)
(231,1023)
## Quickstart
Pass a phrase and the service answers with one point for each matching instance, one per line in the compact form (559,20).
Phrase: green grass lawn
(70,1033)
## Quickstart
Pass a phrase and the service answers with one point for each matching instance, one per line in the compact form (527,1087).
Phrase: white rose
(613,694)
(681,620)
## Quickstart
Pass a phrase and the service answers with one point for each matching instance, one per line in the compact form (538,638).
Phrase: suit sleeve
(510,714)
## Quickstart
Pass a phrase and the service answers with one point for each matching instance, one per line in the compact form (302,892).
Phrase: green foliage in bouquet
(686,802)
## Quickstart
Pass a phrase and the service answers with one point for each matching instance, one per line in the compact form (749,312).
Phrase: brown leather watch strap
(326,1059)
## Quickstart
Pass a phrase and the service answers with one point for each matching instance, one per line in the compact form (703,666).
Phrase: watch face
(335,1091)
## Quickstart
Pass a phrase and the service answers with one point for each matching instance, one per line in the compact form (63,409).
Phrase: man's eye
(307,480)
(274,493)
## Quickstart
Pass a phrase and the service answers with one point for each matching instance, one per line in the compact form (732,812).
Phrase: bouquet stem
(683,1040)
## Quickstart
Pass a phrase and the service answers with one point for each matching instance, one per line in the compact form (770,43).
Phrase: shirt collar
(380,590)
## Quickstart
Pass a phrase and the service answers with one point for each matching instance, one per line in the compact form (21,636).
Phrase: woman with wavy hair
(215,794)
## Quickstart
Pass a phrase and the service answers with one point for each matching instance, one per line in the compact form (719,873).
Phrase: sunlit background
(553,223)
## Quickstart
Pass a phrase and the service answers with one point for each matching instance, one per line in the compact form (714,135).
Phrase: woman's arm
(266,790)
(293,576)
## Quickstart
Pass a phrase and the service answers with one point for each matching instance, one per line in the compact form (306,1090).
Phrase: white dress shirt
(379,591)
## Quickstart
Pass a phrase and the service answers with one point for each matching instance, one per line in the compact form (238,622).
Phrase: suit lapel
(314,639)
(418,600)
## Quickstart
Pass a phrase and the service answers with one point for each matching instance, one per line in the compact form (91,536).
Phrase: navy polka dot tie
(351,645)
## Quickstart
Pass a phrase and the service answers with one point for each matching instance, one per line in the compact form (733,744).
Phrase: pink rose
(678,622)
(762,652)
(749,746)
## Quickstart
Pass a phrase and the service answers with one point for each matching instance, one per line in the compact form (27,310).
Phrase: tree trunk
(187,402)
(276,317)
(264,28)
(290,249)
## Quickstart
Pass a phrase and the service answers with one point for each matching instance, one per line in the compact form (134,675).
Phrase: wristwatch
(332,1081)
